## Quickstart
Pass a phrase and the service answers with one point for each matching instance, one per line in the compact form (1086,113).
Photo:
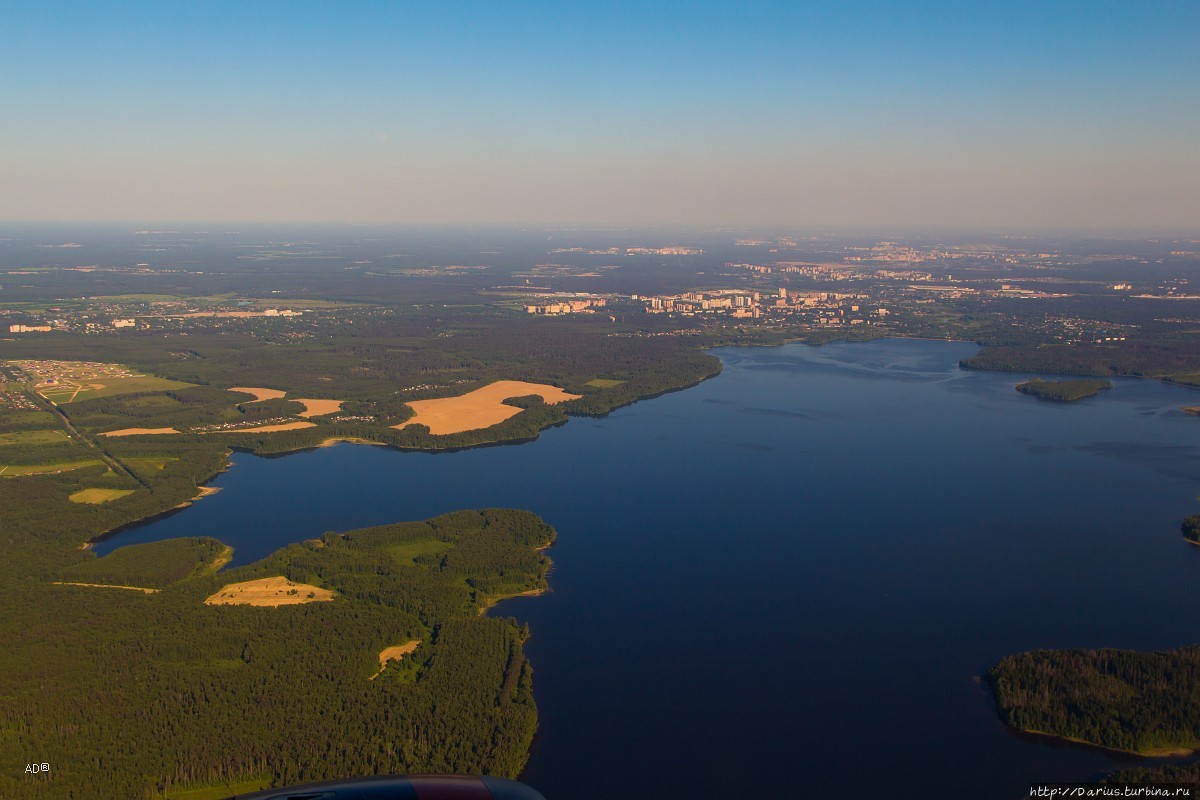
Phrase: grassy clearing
(109,387)
(407,552)
(153,402)
(1192,379)
(290,302)
(219,561)
(8,471)
(218,792)
(603,383)
(147,463)
(142,589)
(34,437)
(136,298)
(97,496)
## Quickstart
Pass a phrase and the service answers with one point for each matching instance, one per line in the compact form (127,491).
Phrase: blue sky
(966,113)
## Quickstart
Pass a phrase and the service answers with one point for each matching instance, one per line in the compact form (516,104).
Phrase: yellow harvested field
(97,496)
(481,408)
(315,408)
(394,653)
(286,426)
(139,431)
(260,394)
(271,592)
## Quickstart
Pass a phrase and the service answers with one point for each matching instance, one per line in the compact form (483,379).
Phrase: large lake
(785,581)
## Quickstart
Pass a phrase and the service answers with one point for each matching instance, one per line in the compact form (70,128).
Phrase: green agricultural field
(603,383)
(135,298)
(285,302)
(97,496)
(105,386)
(34,437)
(11,470)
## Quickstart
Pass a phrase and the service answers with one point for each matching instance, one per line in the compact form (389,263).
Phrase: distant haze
(1071,114)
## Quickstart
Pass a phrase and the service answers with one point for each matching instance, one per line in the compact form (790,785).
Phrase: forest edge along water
(816,555)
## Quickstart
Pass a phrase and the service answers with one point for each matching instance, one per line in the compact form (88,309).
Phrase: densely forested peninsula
(1146,703)
(182,694)
(1063,391)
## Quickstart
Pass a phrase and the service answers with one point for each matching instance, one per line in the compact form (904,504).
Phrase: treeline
(1154,358)
(181,694)
(1182,774)
(1121,699)
(152,565)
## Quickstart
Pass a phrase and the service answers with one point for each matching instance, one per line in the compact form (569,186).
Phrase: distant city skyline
(1019,114)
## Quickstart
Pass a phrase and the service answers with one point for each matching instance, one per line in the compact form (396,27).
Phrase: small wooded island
(1191,529)
(1139,702)
(1064,391)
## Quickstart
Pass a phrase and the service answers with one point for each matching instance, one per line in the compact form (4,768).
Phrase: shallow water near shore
(785,582)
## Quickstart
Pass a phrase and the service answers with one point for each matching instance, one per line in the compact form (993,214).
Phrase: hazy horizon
(1025,116)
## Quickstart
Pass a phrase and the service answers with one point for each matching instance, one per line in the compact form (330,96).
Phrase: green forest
(145,695)
(1154,357)
(1063,391)
(180,694)
(1140,702)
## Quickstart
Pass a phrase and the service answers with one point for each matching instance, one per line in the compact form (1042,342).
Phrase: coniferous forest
(143,694)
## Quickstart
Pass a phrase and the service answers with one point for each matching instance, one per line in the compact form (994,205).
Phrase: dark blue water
(784,582)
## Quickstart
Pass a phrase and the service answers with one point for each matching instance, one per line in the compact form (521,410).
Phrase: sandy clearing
(481,408)
(203,491)
(139,431)
(259,393)
(330,442)
(107,586)
(492,602)
(286,426)
(315,408)
(271,592)
(394,653)
(96,496)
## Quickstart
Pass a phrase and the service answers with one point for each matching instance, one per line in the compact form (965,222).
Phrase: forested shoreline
(182,694)
(202,695)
